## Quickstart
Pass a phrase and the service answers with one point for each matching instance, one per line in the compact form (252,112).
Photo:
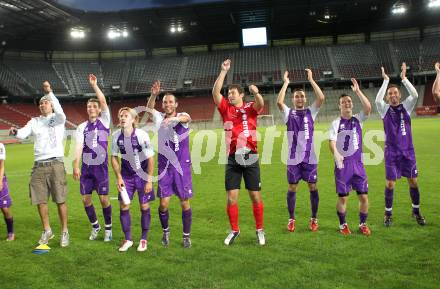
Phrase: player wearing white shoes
(134,174)
(240,124)
(92,141)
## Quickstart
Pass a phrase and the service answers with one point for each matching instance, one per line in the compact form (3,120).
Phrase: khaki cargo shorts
(48,178)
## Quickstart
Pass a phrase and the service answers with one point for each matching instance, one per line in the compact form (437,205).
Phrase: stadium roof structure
(45,24)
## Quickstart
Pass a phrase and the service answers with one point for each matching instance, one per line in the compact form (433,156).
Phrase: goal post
(265,120)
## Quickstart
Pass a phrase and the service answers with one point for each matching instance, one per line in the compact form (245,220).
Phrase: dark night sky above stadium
(116,5)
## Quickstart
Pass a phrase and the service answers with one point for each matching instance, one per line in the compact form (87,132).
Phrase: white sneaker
(143,244)
(126,244)
(261,239)
(231,237)
(108,236)
(45,237)
(64,242)
(94,233)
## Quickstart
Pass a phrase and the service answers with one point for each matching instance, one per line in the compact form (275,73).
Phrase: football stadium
(219,144)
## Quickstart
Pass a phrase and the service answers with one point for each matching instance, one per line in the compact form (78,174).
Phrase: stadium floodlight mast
(434,4)
(77,33)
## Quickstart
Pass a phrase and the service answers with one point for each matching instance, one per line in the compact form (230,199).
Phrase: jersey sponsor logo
(402,124)
(306,128)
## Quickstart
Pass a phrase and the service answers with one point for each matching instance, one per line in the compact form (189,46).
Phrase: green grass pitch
(403,256)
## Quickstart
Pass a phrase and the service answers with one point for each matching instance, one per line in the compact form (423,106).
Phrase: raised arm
(258,98)
(155,90)
(60,117)
(317,90)
(282,93)
(436,85)
(383,89)
(99,95)
(366,105)
(216,90)
(410,102)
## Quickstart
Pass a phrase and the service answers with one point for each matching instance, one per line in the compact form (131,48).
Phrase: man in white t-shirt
(48,174)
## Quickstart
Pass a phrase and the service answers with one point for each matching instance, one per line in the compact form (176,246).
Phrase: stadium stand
(253,65)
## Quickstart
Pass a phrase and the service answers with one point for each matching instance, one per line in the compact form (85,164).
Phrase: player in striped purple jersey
(174,161)
(400,157)
(301,161)
(134,174)
(92,141)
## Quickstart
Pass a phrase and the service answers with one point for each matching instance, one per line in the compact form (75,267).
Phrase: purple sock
(363,217)
(389,201)
(163,217)
(341,217)
(107,212)
(314,202)
(10,225)
(145,223)
(187,220)
(291,202)
(91,214)
(126,223)
(415,198)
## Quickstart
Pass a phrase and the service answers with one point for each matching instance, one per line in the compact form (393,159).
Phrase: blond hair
(132,112)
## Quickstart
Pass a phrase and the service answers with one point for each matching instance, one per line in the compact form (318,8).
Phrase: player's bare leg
(47,234)
(62,214)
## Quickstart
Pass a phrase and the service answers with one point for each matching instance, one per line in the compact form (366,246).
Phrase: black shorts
(245,165)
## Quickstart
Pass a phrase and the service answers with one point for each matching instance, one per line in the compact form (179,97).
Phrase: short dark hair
(298,89)
(169,93)
(343,95)
(95,100)
(237,87)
